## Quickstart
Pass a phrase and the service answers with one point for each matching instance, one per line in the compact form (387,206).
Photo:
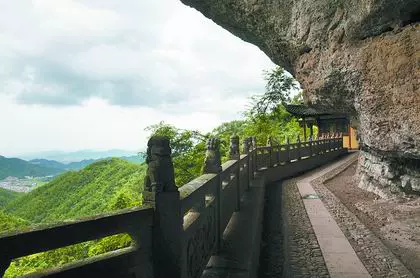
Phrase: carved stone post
(213,165)
(289,158)
(235,155)
(298,147)
(162,193)
(234,148)
(246,150)
(310,146)
(247,145)
(270,151)
(330,140)
(254,147)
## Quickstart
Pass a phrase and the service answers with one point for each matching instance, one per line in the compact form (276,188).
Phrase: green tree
(277,90)
(188,150)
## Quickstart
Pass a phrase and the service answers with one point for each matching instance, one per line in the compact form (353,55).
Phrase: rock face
(357,56)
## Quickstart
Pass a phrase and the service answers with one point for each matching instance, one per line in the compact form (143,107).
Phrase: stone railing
(180,228)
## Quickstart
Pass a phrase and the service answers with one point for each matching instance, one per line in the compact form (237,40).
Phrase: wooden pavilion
(328,123)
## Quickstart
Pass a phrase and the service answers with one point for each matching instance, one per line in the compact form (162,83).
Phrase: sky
(93,74)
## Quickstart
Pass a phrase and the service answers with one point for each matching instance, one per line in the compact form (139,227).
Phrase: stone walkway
(289,244)
(339,256)
(378,259)
(307,235)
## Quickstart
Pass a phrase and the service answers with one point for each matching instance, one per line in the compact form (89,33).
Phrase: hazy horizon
(75,155)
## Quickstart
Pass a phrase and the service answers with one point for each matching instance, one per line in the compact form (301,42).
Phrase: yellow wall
(354,142)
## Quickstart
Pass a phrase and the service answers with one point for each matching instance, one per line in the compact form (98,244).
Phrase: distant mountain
(20,168)
(137,159)
(6,196)
(62,166)
(105,185)
(68,157)
(48,163)
(81,164)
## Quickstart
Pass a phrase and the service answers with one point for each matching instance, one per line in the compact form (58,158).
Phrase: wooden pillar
(304,129)
(298,147)
(349,129)
(311,130)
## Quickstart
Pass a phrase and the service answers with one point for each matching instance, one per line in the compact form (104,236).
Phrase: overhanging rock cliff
(357,56)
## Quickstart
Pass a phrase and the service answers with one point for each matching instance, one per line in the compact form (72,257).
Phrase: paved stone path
(339,256)
(290,247)
(378,259)
(308,232)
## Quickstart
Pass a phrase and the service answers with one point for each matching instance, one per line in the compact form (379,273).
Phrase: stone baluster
(310,146)
(298,142)
(162,193)
(234,148)
(246,150)
(247,145)
(254,148)
(235,155)
(213,165)
(270,151)
(289,158)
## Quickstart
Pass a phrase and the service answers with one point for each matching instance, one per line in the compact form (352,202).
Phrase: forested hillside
(6,196)
(9,222)
(104,186)
(100,187)
(20,168)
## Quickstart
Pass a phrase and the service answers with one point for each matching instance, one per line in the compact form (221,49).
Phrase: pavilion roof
(302,110)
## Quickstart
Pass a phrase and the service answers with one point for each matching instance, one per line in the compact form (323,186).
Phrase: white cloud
(73,70)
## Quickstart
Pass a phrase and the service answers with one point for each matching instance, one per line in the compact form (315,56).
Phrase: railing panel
(124,263)
(263,157)
(228,204)
(199,241)
(305,151)
(294,152)
(52,237)
(194,192)
(243,179)
(284,156)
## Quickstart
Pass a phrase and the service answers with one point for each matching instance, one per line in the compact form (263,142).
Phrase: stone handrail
(187,222)
(137,222)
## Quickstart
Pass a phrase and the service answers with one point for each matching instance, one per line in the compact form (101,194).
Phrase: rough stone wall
(357,56)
